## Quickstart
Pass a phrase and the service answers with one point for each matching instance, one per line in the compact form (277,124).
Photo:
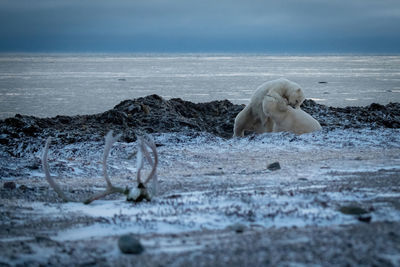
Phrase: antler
(141,192)
(110,140)
(50,180)
(153,173)
(135,194)
(143,152)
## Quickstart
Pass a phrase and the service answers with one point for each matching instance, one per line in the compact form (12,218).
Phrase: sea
(46,85)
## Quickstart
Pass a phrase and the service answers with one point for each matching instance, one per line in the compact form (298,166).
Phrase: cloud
(200,25)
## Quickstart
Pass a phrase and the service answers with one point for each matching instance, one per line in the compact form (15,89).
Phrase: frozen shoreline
(218,202)
(71,84)
(214,192)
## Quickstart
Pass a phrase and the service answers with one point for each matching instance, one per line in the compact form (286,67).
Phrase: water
(49,85)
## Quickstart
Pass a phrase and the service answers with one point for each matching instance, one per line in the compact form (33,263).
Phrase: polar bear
(254,118)
(289,119)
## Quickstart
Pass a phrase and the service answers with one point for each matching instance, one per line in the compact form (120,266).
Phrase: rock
(376,107)
(364,218)
(352,210)
(153,114)
(9,185)
(274,166)
(237,227)
(128,244)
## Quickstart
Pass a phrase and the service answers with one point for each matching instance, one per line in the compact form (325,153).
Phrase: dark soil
(152,114)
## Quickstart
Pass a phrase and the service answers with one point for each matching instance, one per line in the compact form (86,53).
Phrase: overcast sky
(282,26)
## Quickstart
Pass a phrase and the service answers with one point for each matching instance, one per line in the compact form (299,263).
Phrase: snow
(209,183)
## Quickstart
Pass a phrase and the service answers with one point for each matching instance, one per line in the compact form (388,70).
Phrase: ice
(50,85)
(211,183)
(208,185)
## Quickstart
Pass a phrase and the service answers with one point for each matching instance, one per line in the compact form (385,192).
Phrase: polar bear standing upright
(255,116)
(289,119)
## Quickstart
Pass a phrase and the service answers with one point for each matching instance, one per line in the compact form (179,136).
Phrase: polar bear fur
(254,116)
(289,119)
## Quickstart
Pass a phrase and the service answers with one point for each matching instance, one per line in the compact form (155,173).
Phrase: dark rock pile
(372,116)
(152,114)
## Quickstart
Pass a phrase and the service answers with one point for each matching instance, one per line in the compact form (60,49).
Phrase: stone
(237,227)
(352,210)
(128,244)
(274,166)
(365,218)
(153,114)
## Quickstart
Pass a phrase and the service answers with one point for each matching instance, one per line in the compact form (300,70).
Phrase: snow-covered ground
(210,190)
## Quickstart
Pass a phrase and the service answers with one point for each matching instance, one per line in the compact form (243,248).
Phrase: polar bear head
(295,97)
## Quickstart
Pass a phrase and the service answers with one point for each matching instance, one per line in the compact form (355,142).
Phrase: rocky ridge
(153,114)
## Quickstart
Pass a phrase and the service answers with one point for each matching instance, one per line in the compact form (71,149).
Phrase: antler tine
(152,146)
(50,180)
(148,142)
(110,140)
(139,159)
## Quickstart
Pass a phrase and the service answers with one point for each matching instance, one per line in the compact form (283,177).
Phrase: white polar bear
(288,119)
(254,116)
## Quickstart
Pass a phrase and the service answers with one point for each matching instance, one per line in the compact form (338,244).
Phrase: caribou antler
(144,152)
(110,140)
(50,180)
(133,194)
(141,192)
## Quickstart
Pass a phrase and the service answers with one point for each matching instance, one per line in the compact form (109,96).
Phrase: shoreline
(154,114)
(218,202)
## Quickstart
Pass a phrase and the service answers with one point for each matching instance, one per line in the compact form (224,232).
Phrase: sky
(244,26)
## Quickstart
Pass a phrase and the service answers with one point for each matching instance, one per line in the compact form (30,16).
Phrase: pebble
(237,227)
(352,210)
(364,218)
(274,166)
(128,244)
